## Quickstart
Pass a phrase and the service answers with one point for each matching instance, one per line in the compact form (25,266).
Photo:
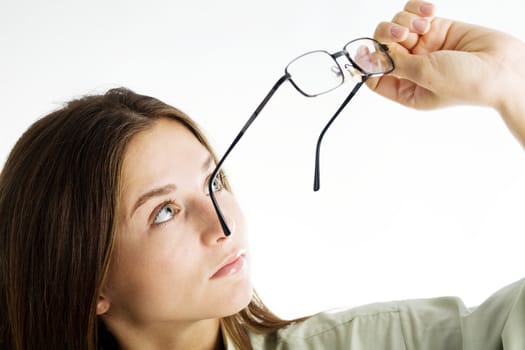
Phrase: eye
(217,183)
(166,212)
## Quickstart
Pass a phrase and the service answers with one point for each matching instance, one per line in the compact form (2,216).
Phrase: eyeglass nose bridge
(350,67)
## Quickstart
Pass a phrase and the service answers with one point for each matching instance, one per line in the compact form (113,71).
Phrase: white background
(412,204)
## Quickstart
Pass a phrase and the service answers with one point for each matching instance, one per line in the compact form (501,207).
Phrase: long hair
(58,200)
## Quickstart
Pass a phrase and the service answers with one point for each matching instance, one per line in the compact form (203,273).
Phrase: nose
(206,222)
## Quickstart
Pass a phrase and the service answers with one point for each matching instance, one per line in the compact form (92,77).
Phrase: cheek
(149,273)
(233,210)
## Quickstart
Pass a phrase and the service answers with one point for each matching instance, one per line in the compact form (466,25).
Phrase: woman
(98,177)
(109,238)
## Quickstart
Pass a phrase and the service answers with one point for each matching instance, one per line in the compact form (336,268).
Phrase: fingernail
(426,9)
(420,25)
(397,31)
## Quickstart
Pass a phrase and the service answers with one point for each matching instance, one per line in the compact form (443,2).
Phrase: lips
(232,264)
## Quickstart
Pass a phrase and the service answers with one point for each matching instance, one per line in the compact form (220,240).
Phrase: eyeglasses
(312,74)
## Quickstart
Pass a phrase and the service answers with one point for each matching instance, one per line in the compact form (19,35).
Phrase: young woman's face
(172,261)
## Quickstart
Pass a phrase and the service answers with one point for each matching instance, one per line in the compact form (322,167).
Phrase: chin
(239,299)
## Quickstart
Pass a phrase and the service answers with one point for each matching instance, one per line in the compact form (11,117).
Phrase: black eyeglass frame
(288,77)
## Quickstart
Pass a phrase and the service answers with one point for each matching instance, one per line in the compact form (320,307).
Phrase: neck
(198,335)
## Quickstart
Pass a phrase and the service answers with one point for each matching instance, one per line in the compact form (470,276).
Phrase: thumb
(415,82)
(419,69)
(452,76)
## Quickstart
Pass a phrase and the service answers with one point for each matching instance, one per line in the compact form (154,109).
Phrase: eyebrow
(207,163)
(160,191)
(163,190)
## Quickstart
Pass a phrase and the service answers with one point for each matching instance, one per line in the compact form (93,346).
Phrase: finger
(393,88)
(415,23)
(388,32)
(421,8)
(406,93)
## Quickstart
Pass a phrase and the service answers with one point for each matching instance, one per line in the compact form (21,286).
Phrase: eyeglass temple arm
(317,180)
(275,87)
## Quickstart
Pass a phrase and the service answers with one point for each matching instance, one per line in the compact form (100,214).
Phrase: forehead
(161,154)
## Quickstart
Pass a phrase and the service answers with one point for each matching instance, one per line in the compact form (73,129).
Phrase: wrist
(511,101)
(512,110)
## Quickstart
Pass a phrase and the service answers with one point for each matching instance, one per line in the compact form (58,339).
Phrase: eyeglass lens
(315,73)
(368,56)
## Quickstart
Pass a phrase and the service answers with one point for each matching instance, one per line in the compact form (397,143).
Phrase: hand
(441,62)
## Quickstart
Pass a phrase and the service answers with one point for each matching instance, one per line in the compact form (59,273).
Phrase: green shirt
(440,323)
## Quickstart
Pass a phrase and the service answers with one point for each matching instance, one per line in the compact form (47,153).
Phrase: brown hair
(58,196)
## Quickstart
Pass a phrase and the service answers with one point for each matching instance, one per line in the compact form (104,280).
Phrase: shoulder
(343,322)
(374,326)
(504,314)
(438,323)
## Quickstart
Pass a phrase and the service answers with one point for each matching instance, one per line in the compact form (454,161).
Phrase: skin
(441,62)
(160,293)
